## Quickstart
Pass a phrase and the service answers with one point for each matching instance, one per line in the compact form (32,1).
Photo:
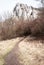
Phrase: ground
(22,51)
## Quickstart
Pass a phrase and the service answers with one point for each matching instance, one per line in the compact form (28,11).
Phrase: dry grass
(29,51)
(6,46)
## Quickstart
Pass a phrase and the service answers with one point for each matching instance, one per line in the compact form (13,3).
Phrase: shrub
(12,27)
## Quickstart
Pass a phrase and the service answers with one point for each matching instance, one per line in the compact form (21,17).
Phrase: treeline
(11,27)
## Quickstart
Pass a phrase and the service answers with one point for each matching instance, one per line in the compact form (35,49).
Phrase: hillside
(22,37)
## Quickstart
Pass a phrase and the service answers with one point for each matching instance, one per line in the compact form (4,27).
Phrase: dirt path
(6,46)
(28,51)
(11,58)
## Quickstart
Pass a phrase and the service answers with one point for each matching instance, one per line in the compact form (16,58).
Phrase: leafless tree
(42,2)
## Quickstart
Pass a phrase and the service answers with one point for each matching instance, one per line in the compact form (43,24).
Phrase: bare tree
(0,18)
(42,2)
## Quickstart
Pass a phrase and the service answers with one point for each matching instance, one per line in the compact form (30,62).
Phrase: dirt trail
(11,58)
(6,46)
(27,51)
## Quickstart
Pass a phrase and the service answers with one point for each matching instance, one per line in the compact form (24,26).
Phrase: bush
(12,28)
(37,26)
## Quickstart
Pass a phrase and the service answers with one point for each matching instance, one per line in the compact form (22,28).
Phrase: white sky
(8,5)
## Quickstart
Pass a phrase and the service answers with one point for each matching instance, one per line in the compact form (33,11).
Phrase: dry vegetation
(11,28)
(6,46)
(27,50)
(22,51)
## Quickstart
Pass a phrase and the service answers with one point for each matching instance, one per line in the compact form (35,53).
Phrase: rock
(25,12)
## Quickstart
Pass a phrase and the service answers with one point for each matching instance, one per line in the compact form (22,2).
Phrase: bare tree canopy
(42,2)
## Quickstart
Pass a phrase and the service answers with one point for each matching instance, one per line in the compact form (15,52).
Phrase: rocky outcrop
(25,12)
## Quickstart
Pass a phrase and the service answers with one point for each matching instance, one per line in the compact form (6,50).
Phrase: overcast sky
(8,5)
